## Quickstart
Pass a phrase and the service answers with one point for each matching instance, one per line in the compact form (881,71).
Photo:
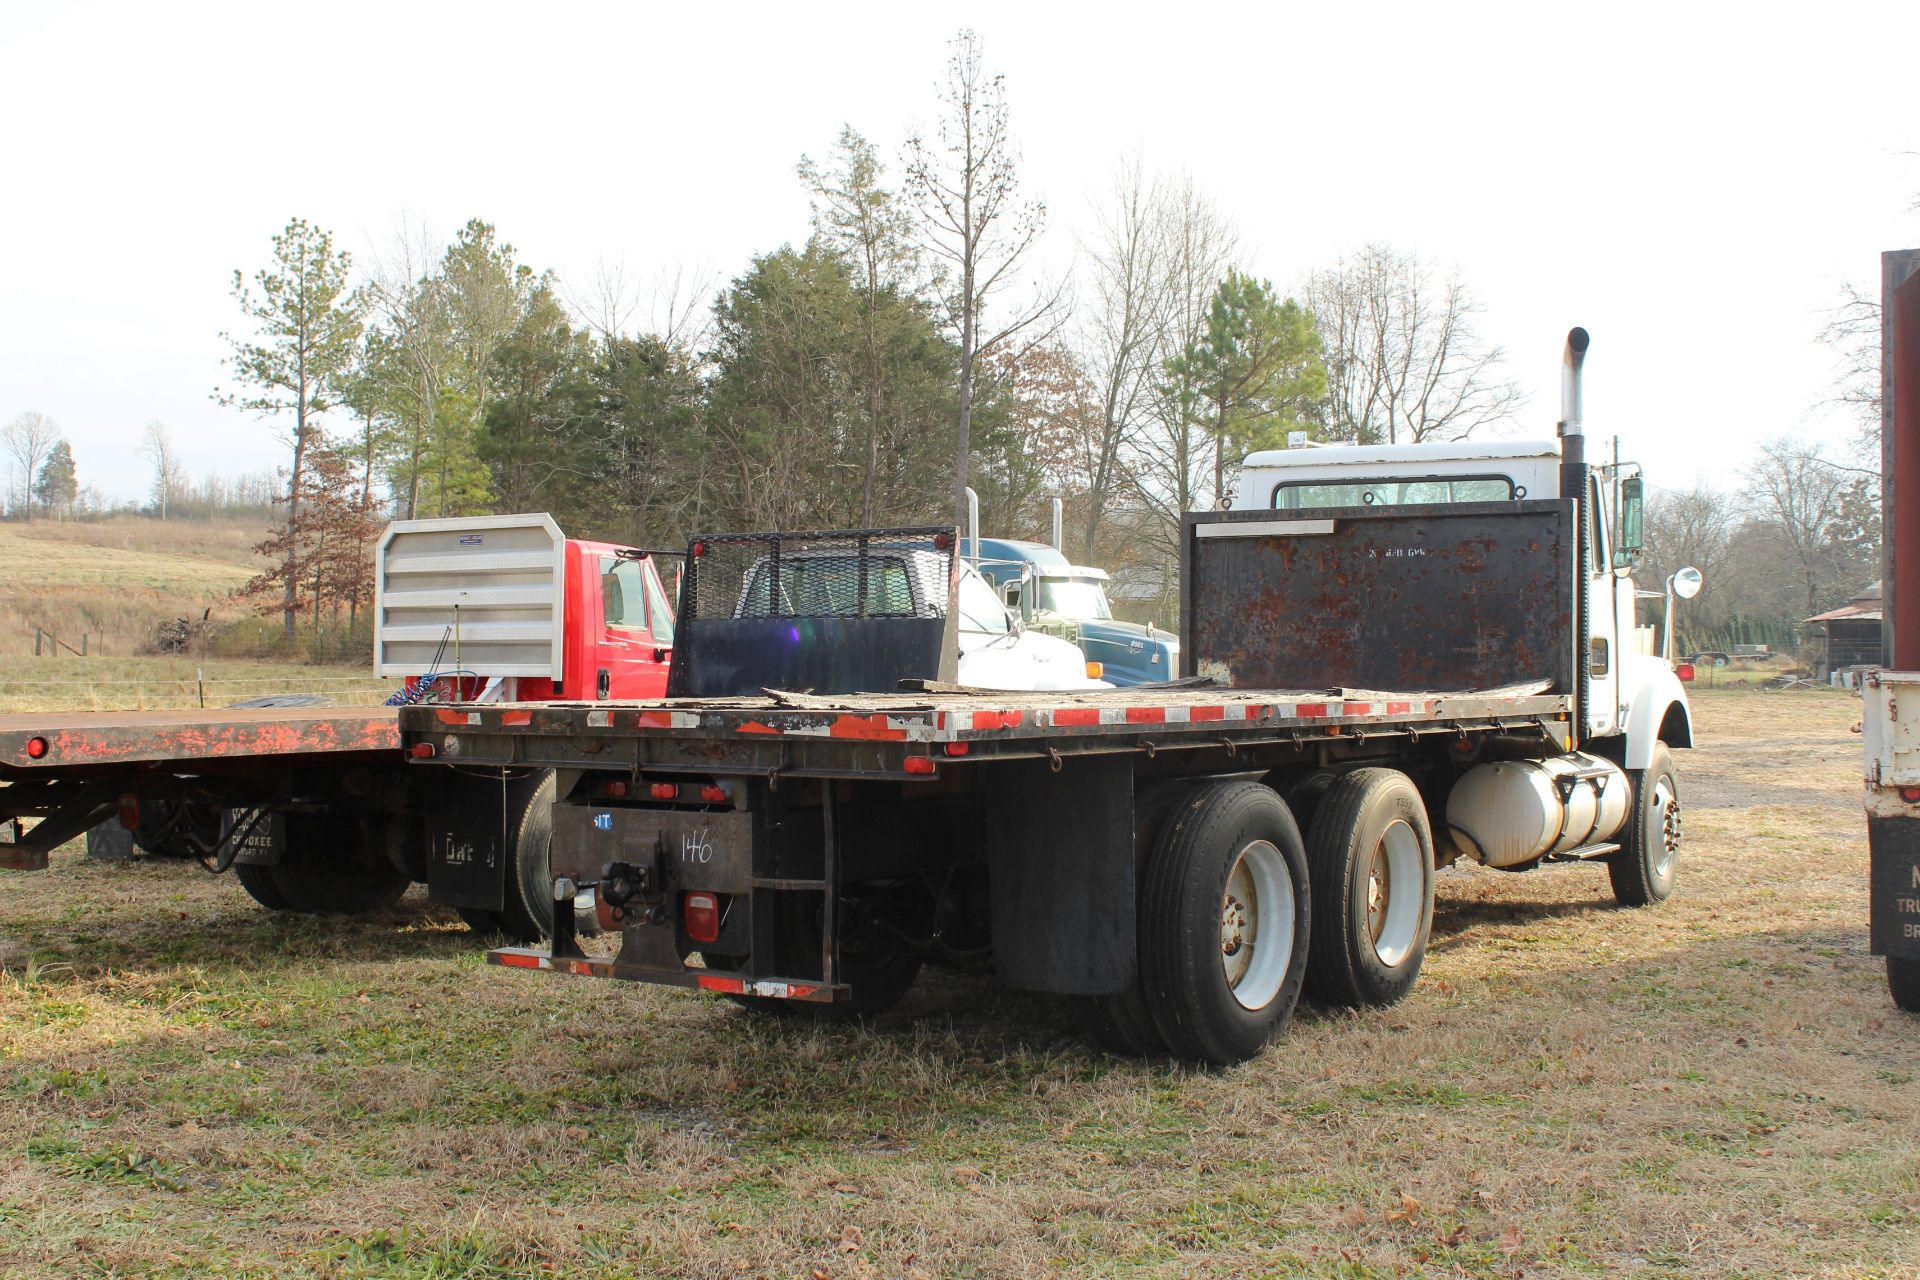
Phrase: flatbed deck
(807,734)
(76,740)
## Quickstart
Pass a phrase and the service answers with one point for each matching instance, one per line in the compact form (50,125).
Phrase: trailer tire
(1370,856)
(1644,870)
(258,882)
(332,866)
(1903,980)
(526,911)
(1224,923)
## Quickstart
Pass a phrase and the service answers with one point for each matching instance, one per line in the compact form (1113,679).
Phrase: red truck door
(623,637)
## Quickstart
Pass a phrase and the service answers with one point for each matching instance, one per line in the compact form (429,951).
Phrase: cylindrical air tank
(1513,812)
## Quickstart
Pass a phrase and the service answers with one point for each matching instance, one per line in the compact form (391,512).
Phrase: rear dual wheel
(1223,927)
(1370,853)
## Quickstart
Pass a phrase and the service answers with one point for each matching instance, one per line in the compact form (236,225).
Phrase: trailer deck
(71,740)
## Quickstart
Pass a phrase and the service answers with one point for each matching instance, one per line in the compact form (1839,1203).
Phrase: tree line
(905,349)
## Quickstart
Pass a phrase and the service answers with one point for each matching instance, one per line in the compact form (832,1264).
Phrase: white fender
(1655,694)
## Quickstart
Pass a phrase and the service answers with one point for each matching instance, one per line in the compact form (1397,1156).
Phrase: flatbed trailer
(71,769)
(1367,694)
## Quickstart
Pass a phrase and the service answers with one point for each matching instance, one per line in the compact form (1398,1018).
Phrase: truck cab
(1069,601)
(504,607)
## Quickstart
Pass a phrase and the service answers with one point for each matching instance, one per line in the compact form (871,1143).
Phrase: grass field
(156,682)
(114,580)
(1717,1087)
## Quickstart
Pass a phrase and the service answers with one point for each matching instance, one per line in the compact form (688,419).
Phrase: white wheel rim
(1394,893)
(1665,835)
(1256,925)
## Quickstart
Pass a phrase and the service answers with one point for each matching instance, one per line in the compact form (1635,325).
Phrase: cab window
(980,609)
(1390,491)
(623,594)
(659,611)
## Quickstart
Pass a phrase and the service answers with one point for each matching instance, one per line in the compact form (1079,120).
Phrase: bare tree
(1404,361)
(157,448)
(1129,313)
(29,438)
(1693,526)
(965,182)
(1822,515)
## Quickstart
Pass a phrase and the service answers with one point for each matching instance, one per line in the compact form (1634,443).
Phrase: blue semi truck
(1057,597)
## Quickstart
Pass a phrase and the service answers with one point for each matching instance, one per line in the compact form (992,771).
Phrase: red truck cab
(506,607)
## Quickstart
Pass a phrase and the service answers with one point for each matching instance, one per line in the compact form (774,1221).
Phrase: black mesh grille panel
(846,612)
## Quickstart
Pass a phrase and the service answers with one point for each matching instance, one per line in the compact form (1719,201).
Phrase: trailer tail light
(36,748)
(615,790)
(958,748)
(421,751)
(1096,670)
(1910,794)
(700,912)
(922,765)
(664,791)
(713,795)
(1684,671)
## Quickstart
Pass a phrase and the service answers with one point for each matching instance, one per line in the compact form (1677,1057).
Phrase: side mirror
(1687,582)
(1633,514)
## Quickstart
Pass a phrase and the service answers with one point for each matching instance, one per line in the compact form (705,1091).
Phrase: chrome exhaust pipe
(1059,522)
(973,525)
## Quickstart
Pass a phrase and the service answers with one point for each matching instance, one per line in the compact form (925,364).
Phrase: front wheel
(1903,980)
(1370,854)
(1644,870)
(1224,923)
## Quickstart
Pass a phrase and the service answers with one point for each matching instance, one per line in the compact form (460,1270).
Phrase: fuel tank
(1514,812)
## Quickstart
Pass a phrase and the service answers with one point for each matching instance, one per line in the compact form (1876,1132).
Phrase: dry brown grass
(158,682)
(1715,1087)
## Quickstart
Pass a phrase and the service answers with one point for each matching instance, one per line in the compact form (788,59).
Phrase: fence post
(200,683)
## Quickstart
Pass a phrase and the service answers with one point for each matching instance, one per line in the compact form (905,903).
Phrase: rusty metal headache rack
(834,612)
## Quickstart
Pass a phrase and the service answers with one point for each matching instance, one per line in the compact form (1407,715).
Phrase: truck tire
(526,911)
(1224,922)
(1370,857)
(331,866)
(1903,980)
(1644,870)
(258,882)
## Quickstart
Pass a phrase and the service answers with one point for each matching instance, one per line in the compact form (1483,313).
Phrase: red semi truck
(312,809)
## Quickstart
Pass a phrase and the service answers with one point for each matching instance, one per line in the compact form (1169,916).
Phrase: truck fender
(1658,713)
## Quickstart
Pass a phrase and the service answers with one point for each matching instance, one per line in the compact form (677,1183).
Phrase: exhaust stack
(1059,521)
(1573,446)
(973,525)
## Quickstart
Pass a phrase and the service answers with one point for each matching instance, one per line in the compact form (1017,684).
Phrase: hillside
(115,580)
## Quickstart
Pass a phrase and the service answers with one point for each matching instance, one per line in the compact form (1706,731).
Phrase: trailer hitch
(620,883)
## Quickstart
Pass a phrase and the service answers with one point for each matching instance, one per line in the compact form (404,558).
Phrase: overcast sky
(1692,189)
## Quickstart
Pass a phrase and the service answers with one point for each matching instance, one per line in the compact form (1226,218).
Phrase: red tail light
(699,549)
(941,541)
(130,813)
(1684,671)
(613,790)
(700,912)
(1910,794)
(957,748)
(664,791)
(920,764)
(421,751)
(713,795)
(36,748)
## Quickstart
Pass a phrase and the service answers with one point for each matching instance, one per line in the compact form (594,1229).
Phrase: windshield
(1073,598)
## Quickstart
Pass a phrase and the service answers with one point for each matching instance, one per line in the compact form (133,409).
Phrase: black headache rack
(855,611)
(1446,598)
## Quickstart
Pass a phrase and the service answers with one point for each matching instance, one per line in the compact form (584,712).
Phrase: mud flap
(1062,875)
(470,838)
(1894,843)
